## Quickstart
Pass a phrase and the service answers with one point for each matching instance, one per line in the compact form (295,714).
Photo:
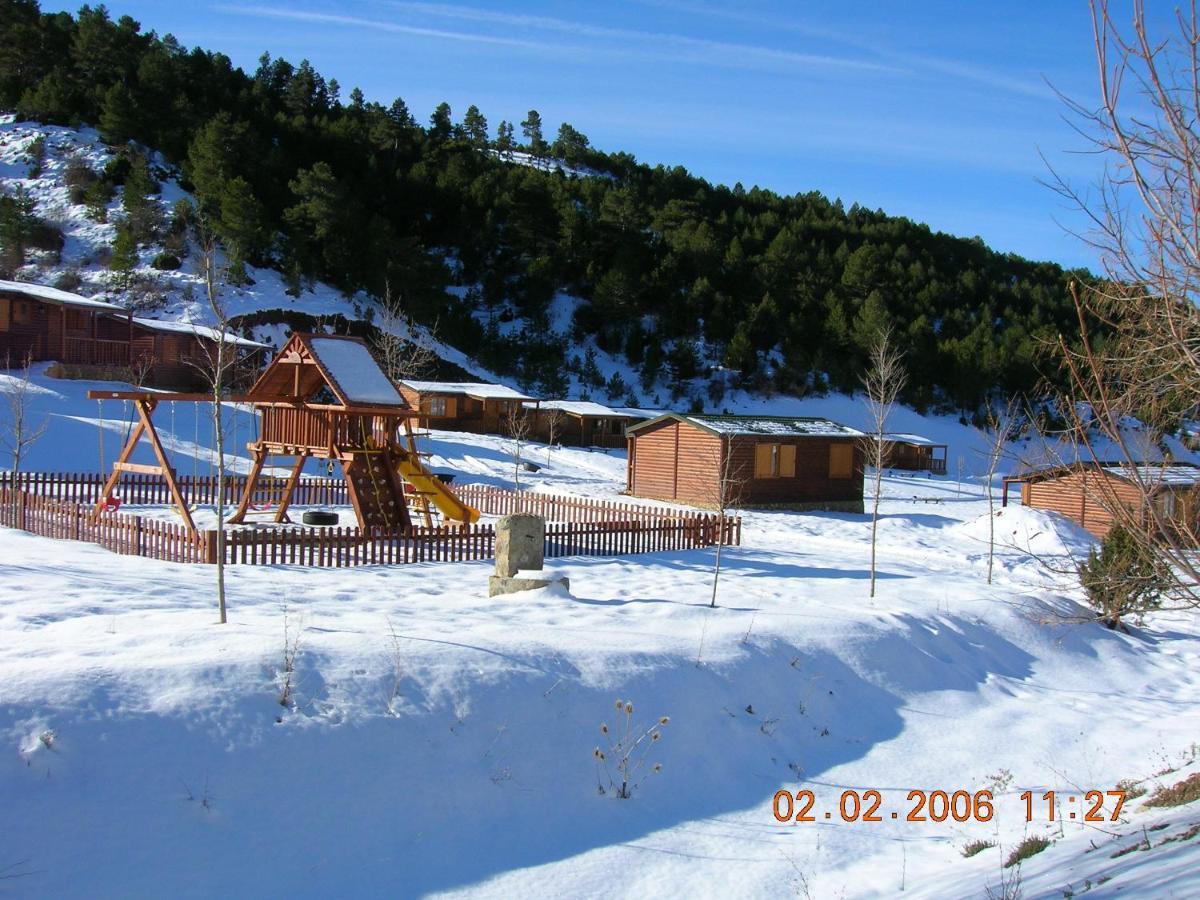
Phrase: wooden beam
(138,468)
(286,500)
(145,410)
(239,514)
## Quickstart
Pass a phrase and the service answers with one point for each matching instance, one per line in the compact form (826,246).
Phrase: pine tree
(475,127)
(241,225)
(441,125)
(124,256)
(532,129)
(1124,580)
(590,373)
(118,116)
(505,143)
(570,145)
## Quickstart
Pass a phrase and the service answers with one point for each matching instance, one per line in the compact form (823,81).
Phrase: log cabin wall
(23,330)
(1087,498)
(680,461)
(823,476)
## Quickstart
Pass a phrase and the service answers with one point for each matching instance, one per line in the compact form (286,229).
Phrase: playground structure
(322,397)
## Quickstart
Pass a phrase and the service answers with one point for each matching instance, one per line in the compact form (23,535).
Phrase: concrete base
(500,584)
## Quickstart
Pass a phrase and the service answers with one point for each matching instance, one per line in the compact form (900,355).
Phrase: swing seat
(112,504)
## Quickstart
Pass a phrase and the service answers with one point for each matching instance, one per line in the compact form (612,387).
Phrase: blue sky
(935,110)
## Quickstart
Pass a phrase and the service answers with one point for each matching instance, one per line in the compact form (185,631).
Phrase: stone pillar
(520,547)
(520,544)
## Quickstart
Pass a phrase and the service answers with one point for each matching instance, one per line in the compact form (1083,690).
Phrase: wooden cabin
(477,407)
(43,323)
(800,463)
(1096,495)
(914,453)
(95,339)
(178,352)
(578,423)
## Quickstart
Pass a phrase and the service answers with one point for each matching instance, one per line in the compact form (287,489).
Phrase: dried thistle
(629,709)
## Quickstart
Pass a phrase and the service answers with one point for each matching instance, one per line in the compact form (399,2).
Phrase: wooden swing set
(322,397)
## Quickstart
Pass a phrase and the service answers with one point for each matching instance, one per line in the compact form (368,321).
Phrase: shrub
(166,261)
(70,280)
(1186,791)
(35,155)
(1124,578)
(972,847)
(1031,846)
(97,196)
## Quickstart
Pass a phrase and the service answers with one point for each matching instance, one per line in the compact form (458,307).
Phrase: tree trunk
(717,565)
(875,521)
(219,441)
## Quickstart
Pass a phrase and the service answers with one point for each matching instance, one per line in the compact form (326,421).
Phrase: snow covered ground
(437,741)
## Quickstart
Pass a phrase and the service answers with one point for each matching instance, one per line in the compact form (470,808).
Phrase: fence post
(209,546)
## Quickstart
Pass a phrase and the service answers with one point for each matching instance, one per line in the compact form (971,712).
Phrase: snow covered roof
(915,439)
(350,364)
(780,426)
(199,330)
(634,413)
(1170,474)
(1152,474)
(584,408)
(57,297)
(477,389)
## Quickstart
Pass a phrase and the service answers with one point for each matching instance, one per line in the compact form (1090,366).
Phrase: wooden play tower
(325,397)
(322,397)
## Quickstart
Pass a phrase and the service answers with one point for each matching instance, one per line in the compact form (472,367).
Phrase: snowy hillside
(173,295)
(177,295)
(436,741)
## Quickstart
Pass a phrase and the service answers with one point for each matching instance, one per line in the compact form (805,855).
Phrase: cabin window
(774,460)
(77,320)
(5,314)
(22,312)
(841,461)
(435,406)
(1166,505)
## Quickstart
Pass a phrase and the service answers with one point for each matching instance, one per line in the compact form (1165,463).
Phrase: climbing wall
(375,491)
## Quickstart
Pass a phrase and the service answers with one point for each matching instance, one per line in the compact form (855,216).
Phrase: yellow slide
(434,488)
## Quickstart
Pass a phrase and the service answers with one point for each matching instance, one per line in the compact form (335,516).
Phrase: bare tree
(726,497)
(517,426)
(882,383)
(1001,424)
(216,364)
(1138,349)
(554,419)
(20,432)
(397,350)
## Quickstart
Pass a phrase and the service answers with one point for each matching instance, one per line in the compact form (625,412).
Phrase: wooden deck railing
(96,352)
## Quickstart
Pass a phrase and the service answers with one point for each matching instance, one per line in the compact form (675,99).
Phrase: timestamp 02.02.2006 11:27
(940,806)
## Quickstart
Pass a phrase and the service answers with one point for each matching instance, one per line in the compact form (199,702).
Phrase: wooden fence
(560,508)
(60,506)
(124,534)
(342,547)
(84,487)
